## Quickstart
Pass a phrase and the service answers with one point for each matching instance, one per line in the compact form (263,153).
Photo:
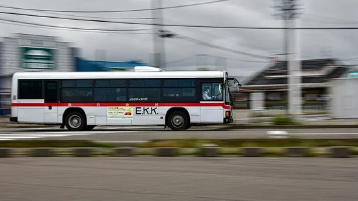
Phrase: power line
(332,18)
(98,17)
(222,48)
(70,28)
(180,60)
(244,60)
(181,25)
(217,36)
(111,11)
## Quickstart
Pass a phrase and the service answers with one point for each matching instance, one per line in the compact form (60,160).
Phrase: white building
(25,52)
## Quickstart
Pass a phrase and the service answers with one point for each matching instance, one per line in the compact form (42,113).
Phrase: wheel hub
(178,121)
(74,121)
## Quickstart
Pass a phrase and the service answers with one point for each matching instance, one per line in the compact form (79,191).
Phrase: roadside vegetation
(264,142)
(230,145)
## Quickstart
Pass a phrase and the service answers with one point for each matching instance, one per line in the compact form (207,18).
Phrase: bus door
(51,101)
(211,102)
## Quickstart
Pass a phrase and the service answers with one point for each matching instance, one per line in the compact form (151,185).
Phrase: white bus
(83,100)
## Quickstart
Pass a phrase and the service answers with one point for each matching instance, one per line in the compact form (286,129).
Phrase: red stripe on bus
(121,104)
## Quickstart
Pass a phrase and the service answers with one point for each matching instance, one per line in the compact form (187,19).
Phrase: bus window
(73,95)
(144,83)
(211,92)
(110,94)
(179,94)
(144,95)
(30,89)
(111,83)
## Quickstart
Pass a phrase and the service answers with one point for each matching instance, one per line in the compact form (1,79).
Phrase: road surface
(151,133)
(178,179)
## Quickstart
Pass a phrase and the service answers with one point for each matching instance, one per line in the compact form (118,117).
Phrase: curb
(167,151)
(42,152)
(5,152)
(83,152)
(331,152)
(124,151)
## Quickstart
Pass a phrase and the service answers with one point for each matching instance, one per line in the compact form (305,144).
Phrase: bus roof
(109,75)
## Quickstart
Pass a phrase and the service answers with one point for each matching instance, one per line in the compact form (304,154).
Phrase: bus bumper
(228,117)
(228,120)
(13,119)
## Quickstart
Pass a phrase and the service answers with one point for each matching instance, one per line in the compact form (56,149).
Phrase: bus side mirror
(233,83)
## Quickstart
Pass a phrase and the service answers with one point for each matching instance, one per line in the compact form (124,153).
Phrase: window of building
(274,96)
(211,92)
(30,89)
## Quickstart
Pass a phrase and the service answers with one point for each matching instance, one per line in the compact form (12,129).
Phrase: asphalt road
(150,133)
(178,179)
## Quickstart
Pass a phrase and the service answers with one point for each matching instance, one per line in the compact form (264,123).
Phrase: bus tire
(178,121)
(88,128)
(189,126)
(75,121)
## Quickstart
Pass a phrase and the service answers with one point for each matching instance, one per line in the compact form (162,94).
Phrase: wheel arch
(73,109)
(174,109)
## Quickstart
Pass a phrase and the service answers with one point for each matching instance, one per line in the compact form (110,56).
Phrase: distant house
(315,75)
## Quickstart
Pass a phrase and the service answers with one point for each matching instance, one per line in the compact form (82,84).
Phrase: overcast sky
(342,44)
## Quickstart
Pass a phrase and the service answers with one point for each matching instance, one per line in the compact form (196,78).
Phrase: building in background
(25,52)
(316,83)
(34,53)
(83,65)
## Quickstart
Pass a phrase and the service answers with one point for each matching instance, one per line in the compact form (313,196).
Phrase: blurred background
(273,47)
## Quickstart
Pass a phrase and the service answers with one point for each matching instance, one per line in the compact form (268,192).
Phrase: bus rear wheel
(75,121)
(178,121)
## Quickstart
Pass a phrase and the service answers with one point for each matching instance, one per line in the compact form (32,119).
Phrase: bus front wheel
(178,121)
(75,121)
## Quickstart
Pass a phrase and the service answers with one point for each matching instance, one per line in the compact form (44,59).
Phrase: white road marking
(325,134)
(277,134)
(17,136)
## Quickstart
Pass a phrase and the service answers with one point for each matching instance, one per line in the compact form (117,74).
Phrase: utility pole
(159,34)
(158,41)
(288,11)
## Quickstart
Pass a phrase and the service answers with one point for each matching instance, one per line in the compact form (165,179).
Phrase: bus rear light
(227,114)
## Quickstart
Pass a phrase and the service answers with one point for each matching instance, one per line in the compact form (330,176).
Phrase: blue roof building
(98,66)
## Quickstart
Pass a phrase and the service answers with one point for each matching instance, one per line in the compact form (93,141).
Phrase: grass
(354,151)
(283,120)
